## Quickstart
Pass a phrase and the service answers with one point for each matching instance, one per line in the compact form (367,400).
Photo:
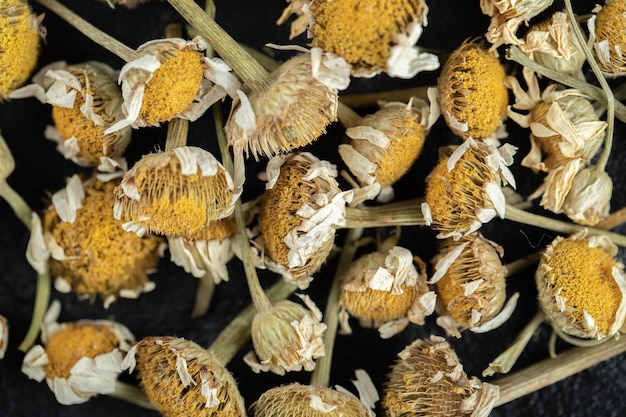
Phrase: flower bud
(606,34)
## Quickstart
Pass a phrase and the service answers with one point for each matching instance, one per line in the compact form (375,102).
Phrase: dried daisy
(582,286)
(20,31)
(507,16)
(383,289)
(175,193)
(171,78)
(181,378)
(464,189)
(607,35)
(287,337)
(470,284)
(588,201)
(372,36)
(87,250)
(428,380)
(472,95)
(4,335)
(301,208)
(385,144)
(553,44)
(79,359)
(85,101)
(293,110)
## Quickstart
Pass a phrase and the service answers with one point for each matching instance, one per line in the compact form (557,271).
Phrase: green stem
(42,298)
(204,295)
(177,130)
(514,54)
(101,38)
(321,374)
(131,394)
(404,213)
(250,71)
(17,203)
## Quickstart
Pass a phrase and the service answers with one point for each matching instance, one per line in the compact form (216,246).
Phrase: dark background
(165,311)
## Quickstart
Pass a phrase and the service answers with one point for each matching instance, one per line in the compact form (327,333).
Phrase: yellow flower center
(585,276)
(361,31)
(104,258)
(218,230)
(610,23)
(472,90)
(19,45)
(173,87)
(76,341)
(379,306)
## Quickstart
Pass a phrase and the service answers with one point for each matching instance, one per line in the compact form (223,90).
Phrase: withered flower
(464,190)
(428,380)
(472,95)
(87,250)
(182,379)
(589,199)
(383,289)
(295,109)
(288,337)
(301,208)
(606,35)
(175,193)
(372,36)
(470,284)
(582,287)
(20,32)
(79,359)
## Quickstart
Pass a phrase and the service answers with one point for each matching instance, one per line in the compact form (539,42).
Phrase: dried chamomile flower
(172,78)
(182,379)
(89,251)
(20,31)
(288,337)
(563,124)
(301,208)
(385,144)
(589,198)
(383,289)
(582,287)
(4,335)
(553,44)
(314,401)
(85,101)
(470,285)
(79,359)
(608,37)
(472,94)
(294,110)
(209,252)
(175,193)
(507,16)
(372,36)
(428,380)
(464,190)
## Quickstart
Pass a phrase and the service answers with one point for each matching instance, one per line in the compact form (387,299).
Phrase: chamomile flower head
(472,95)
(87,250)
(464,191)
(175,193)
(563,124)
(301,208)
(470,285)
(207,253)
(385,144)
(182,379)
(79,359)
(20,32)
(589,199)
(288,337)
(372,36)
(553,44)
(607,34)
(293,111)
(582,286)
(384,289)
(85,101)
(7,162)
(314,401)
(428,380)
(172,78)
(507,16)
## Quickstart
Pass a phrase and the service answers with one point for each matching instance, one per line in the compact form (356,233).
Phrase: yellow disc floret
(19,45)
(76,341)
(610,29)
